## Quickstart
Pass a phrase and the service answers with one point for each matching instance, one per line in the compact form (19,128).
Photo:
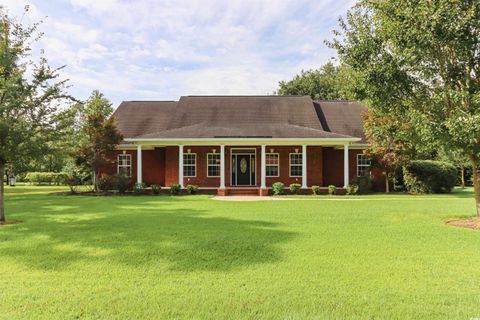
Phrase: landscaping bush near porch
(426,176)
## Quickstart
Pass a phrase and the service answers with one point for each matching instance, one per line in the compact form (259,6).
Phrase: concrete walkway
(258,198)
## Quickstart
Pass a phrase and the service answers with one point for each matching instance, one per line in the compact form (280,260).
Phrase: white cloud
(149,49)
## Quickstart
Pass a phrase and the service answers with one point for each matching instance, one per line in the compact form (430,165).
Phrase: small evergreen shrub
(121,183)
(139,188)
(352,189)
(332,190)
(39,178)
(192,189)
(316,190)
(175,189)
(278,188)
(364,184)
(156,189)
(295,188)
(105,182)
(427,176)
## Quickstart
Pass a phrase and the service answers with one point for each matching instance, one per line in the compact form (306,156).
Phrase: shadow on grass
(140,232)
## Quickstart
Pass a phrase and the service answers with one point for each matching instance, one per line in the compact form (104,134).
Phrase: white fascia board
(243,141)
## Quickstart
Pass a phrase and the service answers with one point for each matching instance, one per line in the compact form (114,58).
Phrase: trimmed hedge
(38,178)
(427,176)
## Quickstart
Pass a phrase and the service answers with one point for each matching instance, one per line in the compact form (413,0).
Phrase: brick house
(241,144)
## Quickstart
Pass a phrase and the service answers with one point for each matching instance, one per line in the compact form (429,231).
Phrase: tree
(458,159)
(98,135)
(419,61)
(30,96)
(329,82)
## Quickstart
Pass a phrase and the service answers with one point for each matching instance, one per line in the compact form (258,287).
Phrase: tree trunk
(94,176)
(476,184)
(462,172)
(2,190)
(387,184)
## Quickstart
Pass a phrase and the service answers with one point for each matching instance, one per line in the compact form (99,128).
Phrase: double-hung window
(189,164)
(272,164)
(213,165)
(296,164)
(363,165)
(124,162)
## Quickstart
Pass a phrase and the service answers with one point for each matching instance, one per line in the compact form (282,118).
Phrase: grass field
(79,257)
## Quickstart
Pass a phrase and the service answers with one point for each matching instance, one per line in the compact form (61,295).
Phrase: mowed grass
(79,257)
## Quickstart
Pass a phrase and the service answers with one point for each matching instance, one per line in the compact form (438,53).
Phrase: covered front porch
(245,166)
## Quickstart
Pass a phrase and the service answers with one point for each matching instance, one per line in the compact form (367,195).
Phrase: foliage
(100,135)
(295,188)
(139,188)
(105,182)
(352,189)
(278,188)
(192,189)
(38,178)
(30,95)
(332,190)
(175,189)
(329,82)
(121,183)
(156,189)
(427,176)
(364,184)
(417,61)
(316,190)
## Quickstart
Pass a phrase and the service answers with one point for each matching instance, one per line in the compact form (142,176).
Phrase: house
(241,144)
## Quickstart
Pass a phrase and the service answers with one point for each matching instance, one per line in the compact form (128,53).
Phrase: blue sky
(160,50)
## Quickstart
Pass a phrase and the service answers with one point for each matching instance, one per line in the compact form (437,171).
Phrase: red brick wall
(201,178)
(171,165)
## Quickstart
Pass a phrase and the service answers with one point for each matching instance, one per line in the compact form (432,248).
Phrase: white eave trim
(243,141)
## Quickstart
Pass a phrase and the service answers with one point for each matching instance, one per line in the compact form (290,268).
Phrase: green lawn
(196,258)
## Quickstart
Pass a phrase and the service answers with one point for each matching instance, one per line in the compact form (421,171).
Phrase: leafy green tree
(30,96)
(418,61)
(97,136)
(329,82)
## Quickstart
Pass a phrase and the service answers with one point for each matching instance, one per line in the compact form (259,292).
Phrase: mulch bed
(470,223)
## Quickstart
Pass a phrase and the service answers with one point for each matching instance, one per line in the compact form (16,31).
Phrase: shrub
(139,188)
(121,183)
(295,188)
(38,178)
(156,189)
(332,189)
(192,189)
(175,189)
(278,188)
(105,182)
(427,176)
(352,188)
(364,184)
(316,190)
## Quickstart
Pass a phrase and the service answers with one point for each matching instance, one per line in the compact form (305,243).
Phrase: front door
(243,170)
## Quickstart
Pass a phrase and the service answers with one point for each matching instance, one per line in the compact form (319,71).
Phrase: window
(295,164)
(363,165)
(124,164)
(189,165)
(272,162)
(213,165)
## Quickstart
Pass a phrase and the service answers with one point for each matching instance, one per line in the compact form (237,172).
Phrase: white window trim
(296,165)
(189,165)
(272,165)
(214,165)
(362,165)
(124,166)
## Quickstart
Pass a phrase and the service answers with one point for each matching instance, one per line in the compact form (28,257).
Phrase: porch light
(271,150)
(296,150)
(189,150)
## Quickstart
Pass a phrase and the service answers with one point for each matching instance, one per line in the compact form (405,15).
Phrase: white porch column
(263,157)
(304,166)
(222,167)
(346,174)
(180,165)
(139,163)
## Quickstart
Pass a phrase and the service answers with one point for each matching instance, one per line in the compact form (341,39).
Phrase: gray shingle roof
(236,117)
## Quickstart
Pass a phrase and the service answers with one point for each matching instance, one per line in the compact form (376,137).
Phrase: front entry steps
(241,191)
